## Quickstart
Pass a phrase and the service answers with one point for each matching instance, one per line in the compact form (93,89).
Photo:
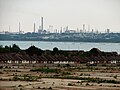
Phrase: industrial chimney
(19,27)
(34,28)
(42,23)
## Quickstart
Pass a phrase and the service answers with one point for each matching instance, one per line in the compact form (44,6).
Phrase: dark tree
(55,50)
(1,48)
(34,50)
(95,50)
(7,49)
(15,48)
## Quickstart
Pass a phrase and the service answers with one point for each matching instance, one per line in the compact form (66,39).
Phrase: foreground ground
(59,77)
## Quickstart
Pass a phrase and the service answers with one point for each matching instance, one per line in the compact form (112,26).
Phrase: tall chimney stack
(34,27)
(84,28)
(41,23)
(19,27)
(9,28)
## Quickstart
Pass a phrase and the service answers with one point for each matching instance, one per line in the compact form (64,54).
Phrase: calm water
(86,46)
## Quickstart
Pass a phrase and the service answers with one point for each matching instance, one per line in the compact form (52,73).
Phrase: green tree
(7,49)
(55,50)
(15,48)
(34,50)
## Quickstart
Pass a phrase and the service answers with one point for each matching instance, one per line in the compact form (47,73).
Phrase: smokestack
(83,27)
(9,28)
(88,28)
(61,30)
(19,27)
(67,28)
(34,27)
(41,23)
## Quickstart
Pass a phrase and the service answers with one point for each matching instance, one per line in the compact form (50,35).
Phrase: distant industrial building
(108,31)
(41,29)
(34,28)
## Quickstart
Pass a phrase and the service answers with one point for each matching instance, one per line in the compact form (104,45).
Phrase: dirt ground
(43,81)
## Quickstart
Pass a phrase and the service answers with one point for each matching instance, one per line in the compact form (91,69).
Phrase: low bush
(1,67)
(38,87)
(20,85)
(69,84)
(66,73)
(1,72)
(46,70)
(50,88)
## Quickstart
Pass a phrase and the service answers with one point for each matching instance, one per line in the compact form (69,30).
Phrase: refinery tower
(42,23)
(40,30)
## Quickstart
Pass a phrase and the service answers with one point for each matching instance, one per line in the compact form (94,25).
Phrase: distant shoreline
(62,41)
(64,37)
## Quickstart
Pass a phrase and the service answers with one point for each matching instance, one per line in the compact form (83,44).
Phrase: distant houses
(34,55)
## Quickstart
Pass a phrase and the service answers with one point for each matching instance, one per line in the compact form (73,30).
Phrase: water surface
(86,46)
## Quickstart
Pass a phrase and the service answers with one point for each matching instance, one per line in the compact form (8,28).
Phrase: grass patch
(46,70)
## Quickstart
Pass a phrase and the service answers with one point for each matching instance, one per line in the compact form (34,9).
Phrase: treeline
(8,49)
(32,50)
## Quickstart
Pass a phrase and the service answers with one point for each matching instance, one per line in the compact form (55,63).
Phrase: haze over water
(86,46)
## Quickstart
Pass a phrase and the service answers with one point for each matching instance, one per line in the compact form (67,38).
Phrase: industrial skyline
(41,30)
(95,14)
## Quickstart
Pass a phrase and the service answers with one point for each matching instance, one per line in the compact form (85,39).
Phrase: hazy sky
(99,14)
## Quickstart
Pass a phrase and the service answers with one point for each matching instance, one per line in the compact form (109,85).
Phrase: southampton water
(86,46)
